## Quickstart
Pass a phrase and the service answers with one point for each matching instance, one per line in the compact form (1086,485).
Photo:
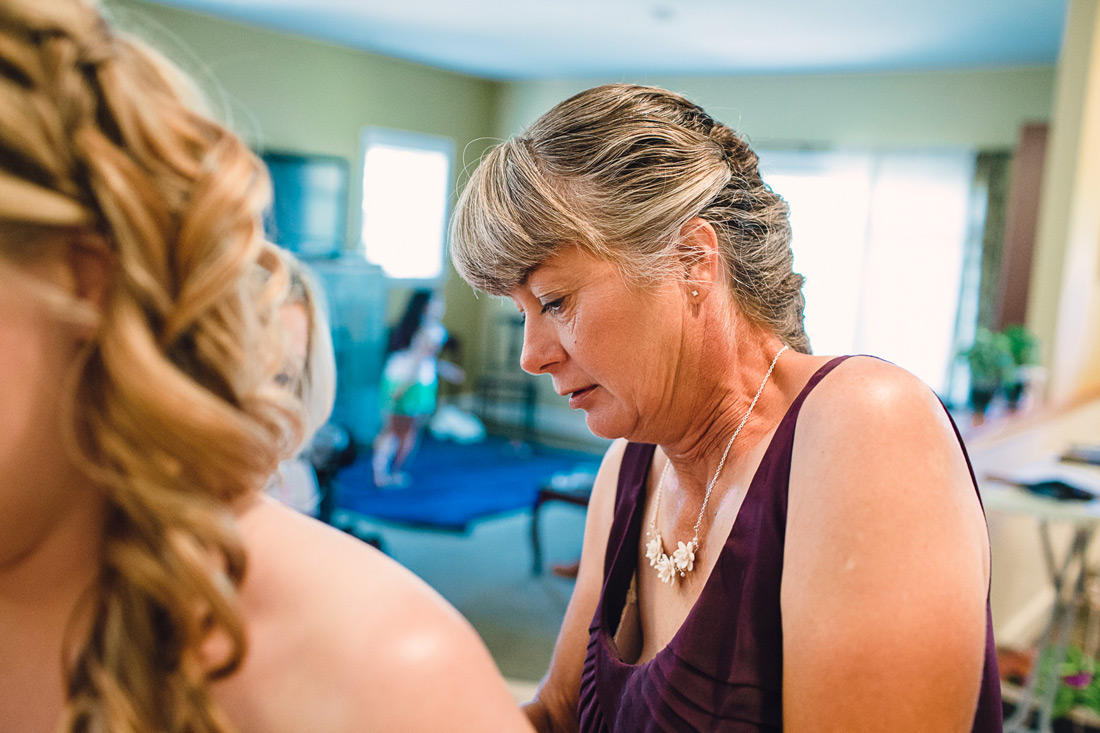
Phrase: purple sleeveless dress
(723,670)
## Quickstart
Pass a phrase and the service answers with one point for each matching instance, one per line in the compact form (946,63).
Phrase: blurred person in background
(410,384)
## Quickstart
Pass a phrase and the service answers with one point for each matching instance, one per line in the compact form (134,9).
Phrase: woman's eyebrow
(528,273)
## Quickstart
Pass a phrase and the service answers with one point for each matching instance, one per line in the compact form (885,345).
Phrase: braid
(749,213)
(169,408)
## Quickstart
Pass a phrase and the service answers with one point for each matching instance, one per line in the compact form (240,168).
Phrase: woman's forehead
(568,268)
(566,259)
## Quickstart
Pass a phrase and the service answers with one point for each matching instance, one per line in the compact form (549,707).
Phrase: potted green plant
(1077,681)
(991,367)
(1024,348)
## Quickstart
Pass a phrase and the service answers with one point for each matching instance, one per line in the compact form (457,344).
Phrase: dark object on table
(1059,490)
(1051,488)
(1081,453)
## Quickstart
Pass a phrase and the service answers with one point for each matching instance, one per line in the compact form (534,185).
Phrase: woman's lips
(577,399)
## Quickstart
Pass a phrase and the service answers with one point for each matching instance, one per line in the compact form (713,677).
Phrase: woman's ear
(91,261)
(702,258)
(91,266)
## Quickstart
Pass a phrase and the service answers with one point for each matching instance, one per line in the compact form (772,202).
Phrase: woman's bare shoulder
(869,417)
(296,560)
(868,389)
(335,620)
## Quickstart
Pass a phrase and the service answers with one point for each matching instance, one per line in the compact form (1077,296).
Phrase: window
(406,185)
(880,238)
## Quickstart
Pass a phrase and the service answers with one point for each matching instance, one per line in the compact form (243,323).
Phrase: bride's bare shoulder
(337,628)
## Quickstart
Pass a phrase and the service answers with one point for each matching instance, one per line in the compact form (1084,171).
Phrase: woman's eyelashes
(553,307)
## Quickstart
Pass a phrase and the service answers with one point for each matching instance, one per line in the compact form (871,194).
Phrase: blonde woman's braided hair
(172,408)
(619,169)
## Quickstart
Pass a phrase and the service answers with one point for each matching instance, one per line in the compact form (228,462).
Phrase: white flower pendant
(665,571)
(684,558)
(653,550)
(680,564)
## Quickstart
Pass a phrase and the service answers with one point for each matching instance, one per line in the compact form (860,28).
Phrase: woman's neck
(42,583)
(729,373)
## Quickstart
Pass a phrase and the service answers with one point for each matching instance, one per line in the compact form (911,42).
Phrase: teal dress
(410,378)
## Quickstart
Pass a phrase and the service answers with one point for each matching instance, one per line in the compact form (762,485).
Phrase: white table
(1067,573)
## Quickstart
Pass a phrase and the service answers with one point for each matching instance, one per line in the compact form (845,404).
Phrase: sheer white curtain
(880,238)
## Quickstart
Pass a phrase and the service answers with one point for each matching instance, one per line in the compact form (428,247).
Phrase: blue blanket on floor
(454,485)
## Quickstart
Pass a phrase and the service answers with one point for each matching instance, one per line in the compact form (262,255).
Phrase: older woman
(145,584)
(777,540)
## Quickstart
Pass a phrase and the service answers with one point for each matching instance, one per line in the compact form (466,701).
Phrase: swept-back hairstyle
(618,170)
(172,408)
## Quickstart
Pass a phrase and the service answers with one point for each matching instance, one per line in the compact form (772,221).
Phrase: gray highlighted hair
(618,170)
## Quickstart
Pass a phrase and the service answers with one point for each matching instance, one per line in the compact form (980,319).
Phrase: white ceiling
(538,39)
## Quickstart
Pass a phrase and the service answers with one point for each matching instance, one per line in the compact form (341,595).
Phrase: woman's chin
(601,427)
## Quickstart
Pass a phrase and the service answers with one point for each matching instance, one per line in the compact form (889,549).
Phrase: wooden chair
(569,487)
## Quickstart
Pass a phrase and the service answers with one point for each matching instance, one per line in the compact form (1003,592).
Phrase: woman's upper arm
(555,706)
(886,563)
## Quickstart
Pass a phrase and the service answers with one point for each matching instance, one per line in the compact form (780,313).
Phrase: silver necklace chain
(682,560)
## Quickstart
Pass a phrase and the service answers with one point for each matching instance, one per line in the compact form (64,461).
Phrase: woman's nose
(541,348)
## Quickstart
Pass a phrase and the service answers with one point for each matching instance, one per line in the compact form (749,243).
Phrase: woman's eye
(554,306)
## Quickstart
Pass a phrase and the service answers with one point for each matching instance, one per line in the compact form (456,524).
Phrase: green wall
(286,93)
(981,109)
